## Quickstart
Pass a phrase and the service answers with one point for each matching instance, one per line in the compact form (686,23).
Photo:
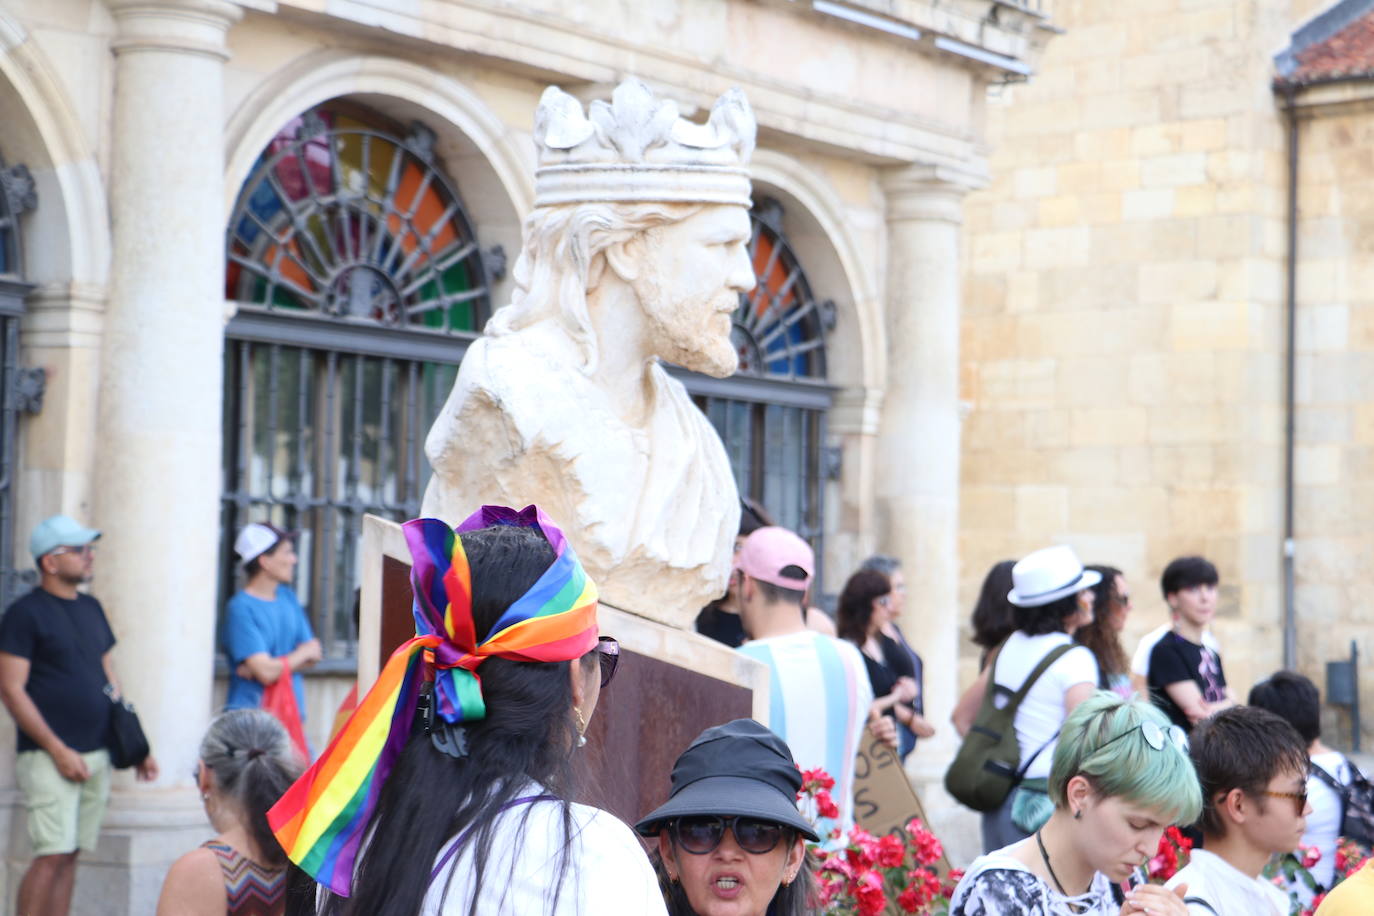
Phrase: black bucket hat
(737,768)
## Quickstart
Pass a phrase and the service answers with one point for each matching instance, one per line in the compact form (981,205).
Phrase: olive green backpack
(988,765)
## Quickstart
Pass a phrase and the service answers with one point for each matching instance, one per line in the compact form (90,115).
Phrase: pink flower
(1311,855)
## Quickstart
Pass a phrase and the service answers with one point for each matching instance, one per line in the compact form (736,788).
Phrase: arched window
(21,390)
(771,413)
(358,282)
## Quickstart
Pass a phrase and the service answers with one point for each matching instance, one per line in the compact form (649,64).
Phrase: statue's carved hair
(563,257)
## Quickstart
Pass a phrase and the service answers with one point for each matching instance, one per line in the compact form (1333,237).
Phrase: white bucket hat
(1048,575)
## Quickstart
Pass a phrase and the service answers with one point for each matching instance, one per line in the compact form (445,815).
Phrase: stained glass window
(346,218)
(358,282)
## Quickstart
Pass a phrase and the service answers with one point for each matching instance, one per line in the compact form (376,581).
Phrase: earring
(787,880)
(581,728)
(1078,815)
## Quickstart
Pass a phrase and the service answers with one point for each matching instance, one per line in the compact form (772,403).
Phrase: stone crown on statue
(637,148)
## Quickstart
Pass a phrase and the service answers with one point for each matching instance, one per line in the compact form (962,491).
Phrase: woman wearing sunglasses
(731,841)
(447,792)
(1120,776)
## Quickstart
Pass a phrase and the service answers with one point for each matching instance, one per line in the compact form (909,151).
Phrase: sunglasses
(608,651)
(1299,798)
(84,550)
(702,834)
(1156,737)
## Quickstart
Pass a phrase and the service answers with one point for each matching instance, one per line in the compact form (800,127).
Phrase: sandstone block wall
(1123,338)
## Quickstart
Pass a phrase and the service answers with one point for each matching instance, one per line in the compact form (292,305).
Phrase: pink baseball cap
(768,551)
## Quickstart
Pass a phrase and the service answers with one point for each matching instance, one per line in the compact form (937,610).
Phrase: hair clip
(451,739)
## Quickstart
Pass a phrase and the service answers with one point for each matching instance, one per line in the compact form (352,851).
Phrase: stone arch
(44,132)
(819,232)
(492,164)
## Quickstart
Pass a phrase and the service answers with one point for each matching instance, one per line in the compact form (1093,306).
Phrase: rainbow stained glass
(341,217)
(779,329)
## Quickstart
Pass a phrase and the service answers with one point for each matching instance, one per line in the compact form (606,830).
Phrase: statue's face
(693,273)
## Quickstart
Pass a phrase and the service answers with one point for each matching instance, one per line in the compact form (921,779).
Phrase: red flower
(869,895)
(891,851)
(825,805)
(817,779)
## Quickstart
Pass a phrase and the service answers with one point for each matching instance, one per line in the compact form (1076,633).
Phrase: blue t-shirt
(252,625)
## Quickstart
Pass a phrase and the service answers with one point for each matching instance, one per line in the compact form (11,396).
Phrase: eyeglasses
(1299,798)
(608,651)
(702,834)
(1155,736)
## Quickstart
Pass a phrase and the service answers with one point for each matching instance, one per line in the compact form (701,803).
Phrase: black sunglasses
(702,834)
(608,650)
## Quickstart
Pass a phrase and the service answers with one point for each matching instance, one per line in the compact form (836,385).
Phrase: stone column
(918,443)
(158,440)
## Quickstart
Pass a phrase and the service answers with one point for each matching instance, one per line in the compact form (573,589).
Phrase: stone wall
(1123,338)
(1335,391)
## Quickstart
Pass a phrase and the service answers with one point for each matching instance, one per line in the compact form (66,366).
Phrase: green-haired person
(1119,777)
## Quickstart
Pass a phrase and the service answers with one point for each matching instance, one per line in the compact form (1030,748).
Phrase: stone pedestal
(918,450)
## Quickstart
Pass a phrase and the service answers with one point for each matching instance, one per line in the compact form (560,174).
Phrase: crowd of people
(448,788)
(1247,782)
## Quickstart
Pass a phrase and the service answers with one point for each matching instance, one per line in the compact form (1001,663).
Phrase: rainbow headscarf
(321,819)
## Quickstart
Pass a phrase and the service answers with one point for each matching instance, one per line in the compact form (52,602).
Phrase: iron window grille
(21,390)
(359,282)
(771,413)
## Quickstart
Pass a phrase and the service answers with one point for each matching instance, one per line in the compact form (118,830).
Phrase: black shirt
(1175,659)
(722,626)
(65,642)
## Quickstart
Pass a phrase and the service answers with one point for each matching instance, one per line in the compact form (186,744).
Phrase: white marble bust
(636,251)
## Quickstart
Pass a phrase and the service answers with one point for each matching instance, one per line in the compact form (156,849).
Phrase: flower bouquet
(892,874)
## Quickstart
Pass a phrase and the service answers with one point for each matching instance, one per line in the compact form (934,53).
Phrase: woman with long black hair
(447,792)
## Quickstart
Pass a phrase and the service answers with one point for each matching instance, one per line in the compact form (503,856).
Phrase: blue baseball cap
(59,531)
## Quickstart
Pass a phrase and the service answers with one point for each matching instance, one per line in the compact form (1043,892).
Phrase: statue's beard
(696,335)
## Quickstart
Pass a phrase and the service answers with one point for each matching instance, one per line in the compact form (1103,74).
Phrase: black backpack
(988,765)
(1357,804)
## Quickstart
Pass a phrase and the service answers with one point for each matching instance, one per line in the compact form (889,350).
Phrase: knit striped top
(249,888)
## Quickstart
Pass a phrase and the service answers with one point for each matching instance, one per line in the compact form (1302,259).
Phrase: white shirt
(608,871)
(1229,890)
(1042,712)
(1324,823)
(998,885)
(819,696)
(1140,660)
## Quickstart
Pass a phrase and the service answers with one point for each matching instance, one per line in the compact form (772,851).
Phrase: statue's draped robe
(652,510)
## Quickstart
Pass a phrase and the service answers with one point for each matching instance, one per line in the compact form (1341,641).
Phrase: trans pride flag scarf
(322,818)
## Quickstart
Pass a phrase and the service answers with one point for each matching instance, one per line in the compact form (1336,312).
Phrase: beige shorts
(64,816)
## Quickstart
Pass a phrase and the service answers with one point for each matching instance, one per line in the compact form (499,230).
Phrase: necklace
(1044,855)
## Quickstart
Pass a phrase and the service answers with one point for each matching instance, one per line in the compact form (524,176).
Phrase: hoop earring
(581,728)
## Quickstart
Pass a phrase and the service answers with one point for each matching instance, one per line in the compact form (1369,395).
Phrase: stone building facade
(1125,320)
(214,352)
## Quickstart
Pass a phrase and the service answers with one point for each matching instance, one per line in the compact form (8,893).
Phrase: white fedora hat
(1048,575)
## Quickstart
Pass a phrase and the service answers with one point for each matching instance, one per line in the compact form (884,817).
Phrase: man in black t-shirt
(54,665)
(1186,679)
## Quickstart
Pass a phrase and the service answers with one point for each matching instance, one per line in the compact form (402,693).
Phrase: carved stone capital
(187,26)
(929,192)
(17,186)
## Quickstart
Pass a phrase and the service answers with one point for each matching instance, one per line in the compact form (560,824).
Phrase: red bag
(279,698)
